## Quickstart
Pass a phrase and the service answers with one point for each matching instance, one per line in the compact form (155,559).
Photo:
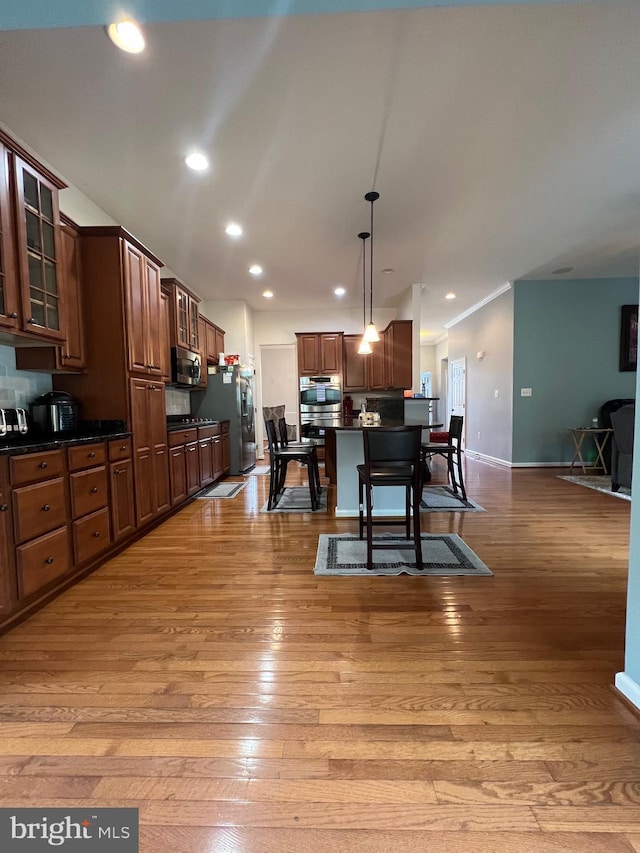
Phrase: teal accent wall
(566,349)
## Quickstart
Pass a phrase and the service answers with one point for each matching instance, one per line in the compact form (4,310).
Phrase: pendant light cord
(363,235)
(371,197)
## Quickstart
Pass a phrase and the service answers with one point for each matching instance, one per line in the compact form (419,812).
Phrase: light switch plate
(526,392)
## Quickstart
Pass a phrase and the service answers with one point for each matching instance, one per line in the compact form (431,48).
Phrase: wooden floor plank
(246,706)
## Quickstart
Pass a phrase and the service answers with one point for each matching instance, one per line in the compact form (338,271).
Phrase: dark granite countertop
(176,425)
(37,442)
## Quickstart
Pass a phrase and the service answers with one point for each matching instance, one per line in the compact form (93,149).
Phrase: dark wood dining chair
(280,456)
(391,458)
(452,452)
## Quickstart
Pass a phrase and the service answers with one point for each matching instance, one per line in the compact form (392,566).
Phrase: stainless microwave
(185,366)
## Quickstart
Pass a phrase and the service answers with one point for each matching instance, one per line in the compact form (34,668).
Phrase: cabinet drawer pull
(96,535)
(43,465)
(4,507)
(123,447)
(91,455)
(32,320)
(118,471)
(49,560)
(46,508)
(13,315)
(94,490)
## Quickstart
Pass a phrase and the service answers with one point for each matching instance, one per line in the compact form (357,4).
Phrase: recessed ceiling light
(233,229)
(388,271)
(197,161)
(126,35)
(562,270)
(255,269)
(268,294)
(450,296)
(339,291)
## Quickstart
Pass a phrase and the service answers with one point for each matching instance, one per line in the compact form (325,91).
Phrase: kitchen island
(344,451)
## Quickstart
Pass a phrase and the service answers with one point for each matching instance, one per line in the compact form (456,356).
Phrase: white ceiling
(504,142)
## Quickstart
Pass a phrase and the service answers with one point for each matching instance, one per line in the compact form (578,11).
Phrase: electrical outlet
(526,392)
(496,393)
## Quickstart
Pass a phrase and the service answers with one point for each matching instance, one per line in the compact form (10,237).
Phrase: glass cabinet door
(39,251)
(182,318)
(8,282)
(194,341)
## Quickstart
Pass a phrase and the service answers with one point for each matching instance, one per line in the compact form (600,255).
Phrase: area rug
(443,555)
(259,469)
(599,482)
(297,499)
(224,490)
(444,499)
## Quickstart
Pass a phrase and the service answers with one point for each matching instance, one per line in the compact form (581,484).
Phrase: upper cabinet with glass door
(9,301)
(39,251)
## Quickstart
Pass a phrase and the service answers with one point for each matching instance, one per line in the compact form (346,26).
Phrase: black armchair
(622,421)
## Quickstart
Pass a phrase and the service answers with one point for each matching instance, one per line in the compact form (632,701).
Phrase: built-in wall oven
(320,406)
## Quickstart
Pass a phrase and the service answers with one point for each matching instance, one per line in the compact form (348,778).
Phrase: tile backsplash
(177,402)
(19,387)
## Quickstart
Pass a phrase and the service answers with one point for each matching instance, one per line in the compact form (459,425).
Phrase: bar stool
(452,452)
(391,458)
(280,457)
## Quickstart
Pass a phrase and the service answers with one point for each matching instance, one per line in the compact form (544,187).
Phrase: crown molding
(479,305)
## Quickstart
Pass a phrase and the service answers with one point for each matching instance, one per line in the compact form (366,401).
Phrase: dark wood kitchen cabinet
(151,458)
(184,313)
(319,353)
(388,367)
(206,436)
(204,376)
(398,354)
(7,590)
(89,493)
(32,290)
(124,325)
(39,500)
(121,488)
(184,464)
(144,326)
(69,355)
(363,372)
(213,343)
(9,295)
(226,449)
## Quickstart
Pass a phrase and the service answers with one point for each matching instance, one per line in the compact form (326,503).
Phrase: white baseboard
(484,457)
(628,687)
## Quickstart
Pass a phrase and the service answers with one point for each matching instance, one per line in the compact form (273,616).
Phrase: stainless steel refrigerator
(229,396)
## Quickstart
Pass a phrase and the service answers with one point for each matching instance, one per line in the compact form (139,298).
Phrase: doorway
(458,390)
(278,384)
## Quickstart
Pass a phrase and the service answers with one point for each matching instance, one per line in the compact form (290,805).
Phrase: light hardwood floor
(208,678)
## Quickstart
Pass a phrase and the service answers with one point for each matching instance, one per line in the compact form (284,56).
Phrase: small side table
(600,438)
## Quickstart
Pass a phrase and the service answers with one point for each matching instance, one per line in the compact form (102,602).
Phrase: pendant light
(365,347)
(371,333)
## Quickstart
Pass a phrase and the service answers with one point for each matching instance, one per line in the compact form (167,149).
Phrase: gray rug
(444,499)
(258,469)
(223,490)
(599,482)
(297,499)
(443,555)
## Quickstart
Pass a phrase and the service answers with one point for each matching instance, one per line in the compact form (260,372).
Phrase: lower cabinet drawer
(91,535)
(88,491)
(42,560)
(39,508)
